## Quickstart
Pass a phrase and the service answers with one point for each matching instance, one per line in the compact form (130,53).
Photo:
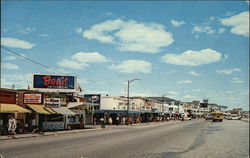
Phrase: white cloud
(16,43)
(89,57)
(79,30)
(193,58)
(221,30)
(203,29)
(80,60)
(171,72)
(239,23)
(43,35)
(226,56)
(194,73)
(135,93)
(10,66)
(133,66)
(184,82)
(10,58)
(172,93)
(108,14)
(177,23)
(19,80)
(189,97)
(236,80)
(212,18)
(58,70)
(72,64)
(229,13)
(26,30)
(131,35)
(228,71)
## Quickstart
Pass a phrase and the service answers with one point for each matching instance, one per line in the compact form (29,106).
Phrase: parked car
(234,117)
(187,118)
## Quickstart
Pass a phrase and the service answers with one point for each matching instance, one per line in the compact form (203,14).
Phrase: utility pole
(129,81)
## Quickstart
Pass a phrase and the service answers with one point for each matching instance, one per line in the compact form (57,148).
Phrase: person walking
(117,120)
(110,121)
(123,120)
(94,121)
(129,121)
(12,126)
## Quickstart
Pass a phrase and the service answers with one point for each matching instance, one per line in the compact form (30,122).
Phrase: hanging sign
(52,102)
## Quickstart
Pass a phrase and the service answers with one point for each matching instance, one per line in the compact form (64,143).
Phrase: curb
(47,134)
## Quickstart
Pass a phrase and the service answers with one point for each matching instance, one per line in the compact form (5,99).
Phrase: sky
(186,50)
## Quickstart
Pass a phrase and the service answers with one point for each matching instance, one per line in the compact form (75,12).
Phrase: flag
(80,89)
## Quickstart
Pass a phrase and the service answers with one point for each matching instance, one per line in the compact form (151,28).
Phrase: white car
(187,118)
(234,117)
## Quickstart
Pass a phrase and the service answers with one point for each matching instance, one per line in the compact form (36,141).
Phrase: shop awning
(63,111)
(50,110)
(114,111)
(12,108)
(74,104)
(38,108)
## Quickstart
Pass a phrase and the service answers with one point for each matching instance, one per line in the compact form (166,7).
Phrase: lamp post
(162,99)
(129,81)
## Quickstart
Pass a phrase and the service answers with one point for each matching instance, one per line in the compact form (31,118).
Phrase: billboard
(93,98)
(32,98)
(61,83)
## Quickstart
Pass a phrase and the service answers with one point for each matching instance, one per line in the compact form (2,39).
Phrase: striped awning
(38,108)
(63,111)
(50,110)
(12,108)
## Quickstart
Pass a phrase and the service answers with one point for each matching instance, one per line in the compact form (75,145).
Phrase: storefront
(9,106)
(14,110)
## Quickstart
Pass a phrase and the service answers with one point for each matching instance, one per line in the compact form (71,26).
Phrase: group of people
(117,121)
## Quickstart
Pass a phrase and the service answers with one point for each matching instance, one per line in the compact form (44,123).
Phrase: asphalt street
(174,139)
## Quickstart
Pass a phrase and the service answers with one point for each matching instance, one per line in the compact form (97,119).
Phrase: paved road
(188,139)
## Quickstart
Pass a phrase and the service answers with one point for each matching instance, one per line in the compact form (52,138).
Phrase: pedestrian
(123,120)
(117,120)
(102,122)
(12,126)
(182,119)
(110,121)
(94,121)
(138,120)
(129,121)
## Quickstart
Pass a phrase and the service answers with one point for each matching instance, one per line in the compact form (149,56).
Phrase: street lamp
(129,81)
(162,99)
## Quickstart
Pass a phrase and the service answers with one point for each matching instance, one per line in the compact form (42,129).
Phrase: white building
(116,103)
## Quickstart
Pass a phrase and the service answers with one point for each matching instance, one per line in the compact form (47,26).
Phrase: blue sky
(184,50)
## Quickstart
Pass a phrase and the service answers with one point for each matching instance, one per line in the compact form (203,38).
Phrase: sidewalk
(87,128)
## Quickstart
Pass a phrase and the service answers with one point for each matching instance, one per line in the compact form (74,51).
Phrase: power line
(31,60)
(52,69)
